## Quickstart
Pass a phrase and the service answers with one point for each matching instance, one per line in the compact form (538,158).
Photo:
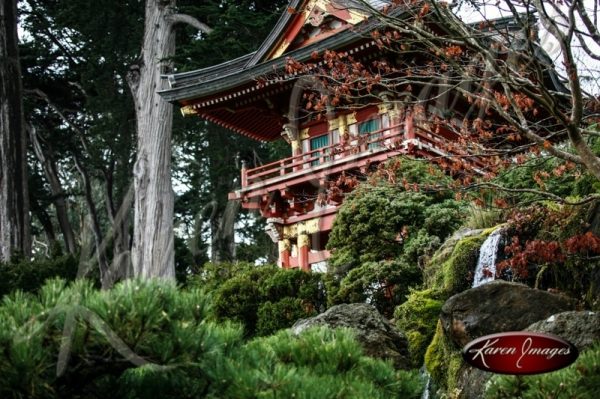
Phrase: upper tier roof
(209,81)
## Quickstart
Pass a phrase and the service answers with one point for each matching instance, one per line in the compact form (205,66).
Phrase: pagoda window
(315,144)
(367,128)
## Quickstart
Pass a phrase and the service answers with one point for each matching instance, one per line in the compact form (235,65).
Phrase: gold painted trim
(309,226)
(384,108)
(351,118)
(295,145)
(303,240)
(187,110)
(304,133)
(334,123)
(281,49)
(284,245)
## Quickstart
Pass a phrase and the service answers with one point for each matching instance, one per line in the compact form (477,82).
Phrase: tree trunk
(58,194)
(153,251)
(105,277)
(223,233)
(14,195)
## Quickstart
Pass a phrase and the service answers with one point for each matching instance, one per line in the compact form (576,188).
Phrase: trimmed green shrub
(383,284)
(213,275)
(238,299)
(290,294)
(29,276)
(581,380)
(385,220)
(274,316)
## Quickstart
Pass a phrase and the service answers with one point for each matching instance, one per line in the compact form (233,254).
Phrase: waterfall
(427,377)
(486,264)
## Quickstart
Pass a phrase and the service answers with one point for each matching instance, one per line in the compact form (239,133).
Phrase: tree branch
(175,19)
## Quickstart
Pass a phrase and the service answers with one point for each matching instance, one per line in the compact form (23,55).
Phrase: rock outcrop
(376,335)
(582,329)
(495,307)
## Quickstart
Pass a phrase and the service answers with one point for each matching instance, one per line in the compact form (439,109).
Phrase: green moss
(443,361)
(456,270)
(434,356)
(417,317)
(450,270)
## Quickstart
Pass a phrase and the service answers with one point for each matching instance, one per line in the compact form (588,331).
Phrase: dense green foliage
(383,284)
(319,363)
(77,341)
(28,276)
(391,220)
(263,298)
(385,231)
(169,328)
(580,380)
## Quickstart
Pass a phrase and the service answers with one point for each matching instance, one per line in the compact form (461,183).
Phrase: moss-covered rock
(451,268)
(417,317)
(444,362)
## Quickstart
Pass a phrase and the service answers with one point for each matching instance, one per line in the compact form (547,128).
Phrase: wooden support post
(284,253)
(244,174)
(409,129)
(303,247)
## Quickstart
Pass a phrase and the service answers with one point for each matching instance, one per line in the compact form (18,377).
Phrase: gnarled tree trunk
(14,194)
(153,249)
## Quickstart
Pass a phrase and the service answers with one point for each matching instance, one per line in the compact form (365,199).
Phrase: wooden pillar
(244,173)
(409,129)
(284,253)
(303,247)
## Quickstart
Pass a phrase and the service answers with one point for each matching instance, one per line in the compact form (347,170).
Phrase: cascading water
(427,377)
(486,264)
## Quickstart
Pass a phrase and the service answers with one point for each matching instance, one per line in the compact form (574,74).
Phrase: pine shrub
(72,341)
(319,363)
(581,380)
(150,339)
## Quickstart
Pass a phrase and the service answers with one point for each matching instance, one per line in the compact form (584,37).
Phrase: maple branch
(546,194)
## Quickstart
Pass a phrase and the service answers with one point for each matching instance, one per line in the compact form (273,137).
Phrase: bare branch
(175,19)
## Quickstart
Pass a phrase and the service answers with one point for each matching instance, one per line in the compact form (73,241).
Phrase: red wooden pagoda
(240,96)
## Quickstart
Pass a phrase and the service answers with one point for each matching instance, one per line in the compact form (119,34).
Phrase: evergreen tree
(14,198)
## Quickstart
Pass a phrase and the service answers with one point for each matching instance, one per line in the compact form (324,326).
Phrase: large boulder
(496,307)
(376,335)
(582,329)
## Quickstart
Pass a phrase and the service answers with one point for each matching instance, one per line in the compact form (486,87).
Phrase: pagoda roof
(186,87)
(233,95)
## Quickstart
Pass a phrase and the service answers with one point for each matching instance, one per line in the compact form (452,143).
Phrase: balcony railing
(359,150)
(377,141)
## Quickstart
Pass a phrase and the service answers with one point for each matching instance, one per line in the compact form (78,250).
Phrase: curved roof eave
(195,85)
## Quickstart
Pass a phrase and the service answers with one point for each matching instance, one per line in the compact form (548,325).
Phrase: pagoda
(254,96)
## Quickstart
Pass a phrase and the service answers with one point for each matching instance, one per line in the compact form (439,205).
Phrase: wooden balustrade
(375,142)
